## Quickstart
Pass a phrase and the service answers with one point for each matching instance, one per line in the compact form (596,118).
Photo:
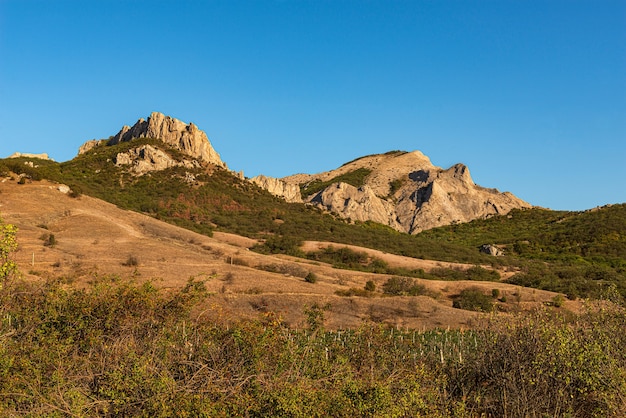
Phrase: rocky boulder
(491,249)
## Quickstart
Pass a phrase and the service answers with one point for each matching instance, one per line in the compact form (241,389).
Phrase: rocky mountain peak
(187,138)
(403,190)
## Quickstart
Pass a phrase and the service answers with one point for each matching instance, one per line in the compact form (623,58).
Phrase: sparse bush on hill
(399,286)
(473,299)
(49,240)
(131,261)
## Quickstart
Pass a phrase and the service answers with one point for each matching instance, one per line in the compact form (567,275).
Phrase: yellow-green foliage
(124,349)
(8,244)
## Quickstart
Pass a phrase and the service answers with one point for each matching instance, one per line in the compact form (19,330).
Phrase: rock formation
(289,192)
(91,144)
(42,156)
(405,191)
(147,158)
(491,249)
(185,137)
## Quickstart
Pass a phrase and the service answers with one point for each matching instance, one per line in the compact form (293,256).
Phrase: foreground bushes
(124,349)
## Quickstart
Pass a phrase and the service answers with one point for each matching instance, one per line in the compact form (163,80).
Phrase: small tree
(370,286)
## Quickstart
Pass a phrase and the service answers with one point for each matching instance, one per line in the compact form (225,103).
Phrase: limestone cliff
(405,191)
(147,158)
(42,156)
(289,192)
(185,137)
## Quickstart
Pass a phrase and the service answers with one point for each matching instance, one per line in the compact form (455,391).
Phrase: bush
(131,261)
(400,286)
(49,240)
(370,286)
(558,301)
(311,278)
(473,299)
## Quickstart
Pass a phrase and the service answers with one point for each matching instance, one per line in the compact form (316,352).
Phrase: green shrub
(399,286)
(558,301)
(473,299)
(311,278)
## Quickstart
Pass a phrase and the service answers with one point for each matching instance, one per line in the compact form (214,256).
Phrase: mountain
(403,190)
(186,138)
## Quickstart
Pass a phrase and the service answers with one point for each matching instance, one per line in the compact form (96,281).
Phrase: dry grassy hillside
(79,239)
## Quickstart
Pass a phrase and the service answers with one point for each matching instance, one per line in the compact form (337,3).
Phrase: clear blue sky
(531,95)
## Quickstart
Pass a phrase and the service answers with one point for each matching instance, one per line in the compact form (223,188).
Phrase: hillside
(93,238)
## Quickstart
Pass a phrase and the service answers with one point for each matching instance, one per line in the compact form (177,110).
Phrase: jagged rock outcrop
(357,204)
(185,137)
(289,192)
(42,156)
(91,144)
(405,191)
(147,158)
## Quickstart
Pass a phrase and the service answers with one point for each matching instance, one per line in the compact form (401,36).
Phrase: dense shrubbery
(123,349)
(400,286)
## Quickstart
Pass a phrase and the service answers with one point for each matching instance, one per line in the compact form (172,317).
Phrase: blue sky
(531,95)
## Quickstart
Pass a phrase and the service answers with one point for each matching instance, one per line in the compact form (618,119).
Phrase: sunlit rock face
(405,191)
(186,138)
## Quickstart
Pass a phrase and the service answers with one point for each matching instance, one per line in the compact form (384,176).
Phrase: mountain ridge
(399,189)
(405,191)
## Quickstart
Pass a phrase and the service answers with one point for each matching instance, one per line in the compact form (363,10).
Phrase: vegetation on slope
(577,253)
(123,349)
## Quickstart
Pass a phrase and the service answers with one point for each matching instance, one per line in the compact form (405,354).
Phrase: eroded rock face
(147,158)
(91,144)
(289,192)
(357,204)
(185,137)
(408,193)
